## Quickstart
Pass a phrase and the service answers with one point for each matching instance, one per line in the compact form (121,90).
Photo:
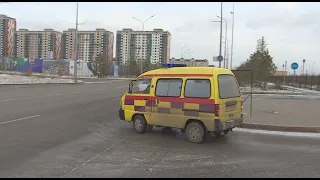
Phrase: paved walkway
(283,112)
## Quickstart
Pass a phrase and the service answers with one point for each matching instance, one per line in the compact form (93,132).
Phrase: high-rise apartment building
(7,30)
(38,44)
(90,44)
(150,46)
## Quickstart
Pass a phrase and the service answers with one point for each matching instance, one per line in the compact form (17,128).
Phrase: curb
(38,84)
(300,93)
(281,128)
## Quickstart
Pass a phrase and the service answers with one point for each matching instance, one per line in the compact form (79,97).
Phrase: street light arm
(222,18)
(137,19)
(148,18)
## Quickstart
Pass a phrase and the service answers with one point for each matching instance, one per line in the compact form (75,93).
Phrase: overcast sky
(290,29)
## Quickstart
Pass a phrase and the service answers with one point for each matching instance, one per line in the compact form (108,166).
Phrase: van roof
(187,71)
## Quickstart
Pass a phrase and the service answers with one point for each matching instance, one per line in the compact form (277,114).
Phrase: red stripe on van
(173,99)
(178,75)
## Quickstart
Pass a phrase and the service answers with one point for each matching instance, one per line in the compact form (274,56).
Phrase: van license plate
(230,108)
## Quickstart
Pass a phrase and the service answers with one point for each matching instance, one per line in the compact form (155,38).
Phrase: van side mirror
(130,87)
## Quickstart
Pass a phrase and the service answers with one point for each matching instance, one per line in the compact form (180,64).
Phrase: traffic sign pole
(294,66)
(220,59)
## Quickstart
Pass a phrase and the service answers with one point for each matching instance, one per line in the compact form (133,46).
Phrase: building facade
(150,46)
(7,36)
(191,62)
(38,44)
(90,44)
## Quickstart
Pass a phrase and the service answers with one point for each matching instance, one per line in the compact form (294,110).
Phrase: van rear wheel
(140,124)
(195,132)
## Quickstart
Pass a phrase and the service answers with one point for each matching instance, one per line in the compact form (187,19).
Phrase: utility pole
(232,12)
(220,48)
(76,47)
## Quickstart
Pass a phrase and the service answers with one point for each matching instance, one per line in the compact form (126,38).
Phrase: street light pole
(140,51)
(220,48)
(225,49)
(303,61)
(232,12)
(182,50)
(76,47)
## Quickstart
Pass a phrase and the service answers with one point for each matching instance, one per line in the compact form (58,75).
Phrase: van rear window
(228,86)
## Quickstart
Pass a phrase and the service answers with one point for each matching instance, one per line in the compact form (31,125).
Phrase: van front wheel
(195,132)
(140,124)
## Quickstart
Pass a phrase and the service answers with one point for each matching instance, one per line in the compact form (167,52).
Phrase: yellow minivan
(197,100)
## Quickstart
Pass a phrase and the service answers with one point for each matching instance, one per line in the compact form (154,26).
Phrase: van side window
(141,86)
(169,87)
(228,86)
(197,88)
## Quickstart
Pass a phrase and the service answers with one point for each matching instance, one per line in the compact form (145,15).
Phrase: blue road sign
(219,58)
(294,66)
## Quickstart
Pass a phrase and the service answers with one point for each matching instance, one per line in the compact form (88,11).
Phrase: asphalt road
(74,131)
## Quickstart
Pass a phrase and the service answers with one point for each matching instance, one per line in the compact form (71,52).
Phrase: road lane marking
(20,119)
(15,99)
(89,160)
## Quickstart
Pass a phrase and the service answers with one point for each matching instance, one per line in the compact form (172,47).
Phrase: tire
(195,132)
(140,124)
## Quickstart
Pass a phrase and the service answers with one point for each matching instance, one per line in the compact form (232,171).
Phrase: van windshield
(228,86)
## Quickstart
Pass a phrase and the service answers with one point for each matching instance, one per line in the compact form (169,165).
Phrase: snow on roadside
(16,79)
(258,90)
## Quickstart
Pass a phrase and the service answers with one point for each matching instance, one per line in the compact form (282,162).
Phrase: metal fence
(303,81)
(20,65)
(6,65)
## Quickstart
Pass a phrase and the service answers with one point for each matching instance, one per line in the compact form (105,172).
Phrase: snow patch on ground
(16,79)
(258,90)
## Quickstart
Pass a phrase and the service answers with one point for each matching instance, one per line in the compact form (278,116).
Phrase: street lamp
(226,34)
(182,50)
(232,12)
(143,22)
(303,62)
(187,53)
(140,50)
(76,46)
(220,46)
(226,52)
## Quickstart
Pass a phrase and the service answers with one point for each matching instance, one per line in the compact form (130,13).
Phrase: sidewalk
(303,90)
(283,112)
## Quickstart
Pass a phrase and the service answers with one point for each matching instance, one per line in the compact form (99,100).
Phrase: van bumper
(121,114)
(227,125)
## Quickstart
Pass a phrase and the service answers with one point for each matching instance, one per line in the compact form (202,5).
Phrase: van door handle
(146,99)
